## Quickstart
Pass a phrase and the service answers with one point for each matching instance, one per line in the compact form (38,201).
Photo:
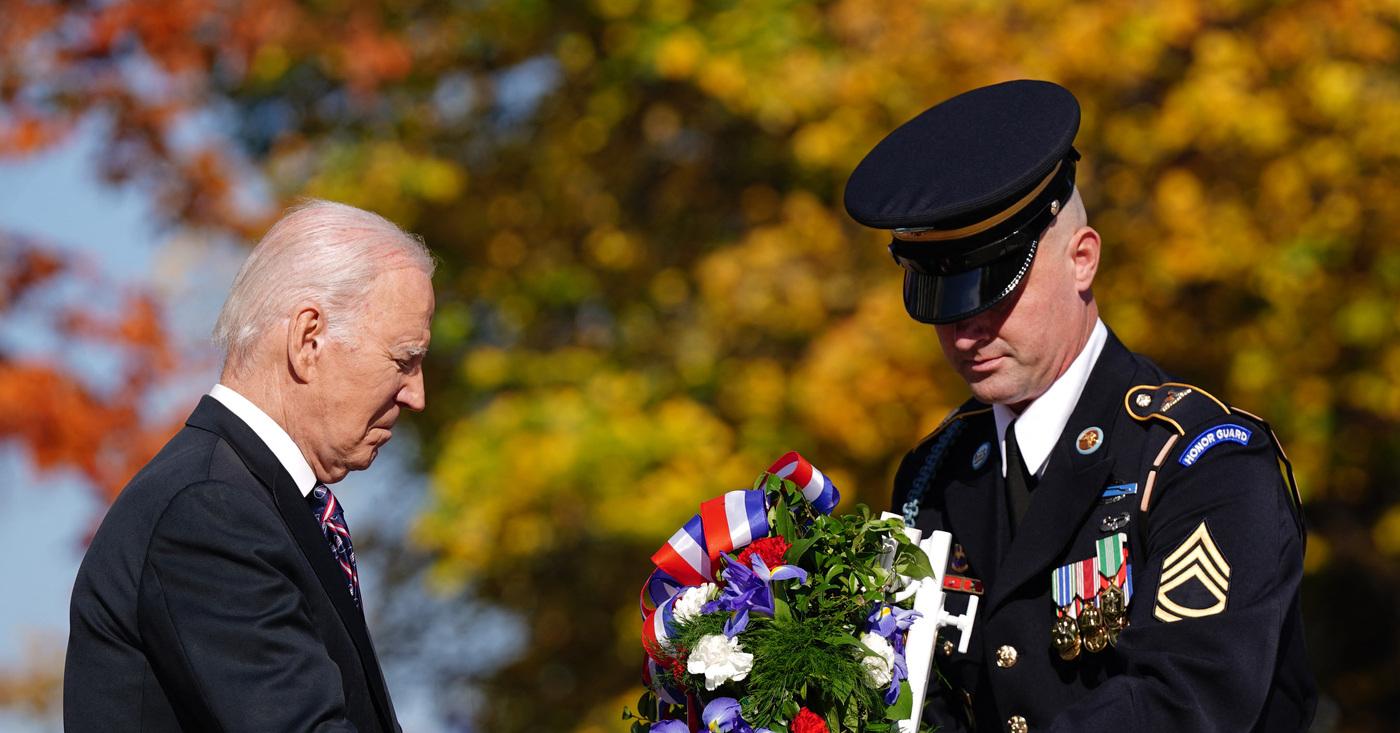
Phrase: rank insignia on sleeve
(1195,579)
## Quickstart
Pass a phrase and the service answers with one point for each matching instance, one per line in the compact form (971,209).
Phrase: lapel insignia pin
(979,459)
(1195,579)
(1089,440)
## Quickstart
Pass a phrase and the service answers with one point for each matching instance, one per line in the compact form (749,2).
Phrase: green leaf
(902,707)
(799,548)
(913,563)
(781,610)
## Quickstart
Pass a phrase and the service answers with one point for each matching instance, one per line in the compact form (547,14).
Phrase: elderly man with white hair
(220,592)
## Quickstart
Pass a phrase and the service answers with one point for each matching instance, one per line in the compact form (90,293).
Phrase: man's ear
(306,341)
(1084,252)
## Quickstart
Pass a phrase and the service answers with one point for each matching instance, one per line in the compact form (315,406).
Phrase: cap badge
(1089,440)
(979,458)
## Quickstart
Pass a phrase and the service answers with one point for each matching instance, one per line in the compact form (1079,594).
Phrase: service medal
(1092,628)
(1115,611)
(1115,573)
(1064,636)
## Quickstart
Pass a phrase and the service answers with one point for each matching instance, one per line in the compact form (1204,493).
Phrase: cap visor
(940,299)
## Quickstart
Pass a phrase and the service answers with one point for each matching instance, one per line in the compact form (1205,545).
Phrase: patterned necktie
(332,520)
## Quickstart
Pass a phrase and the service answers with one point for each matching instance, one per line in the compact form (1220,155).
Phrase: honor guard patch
(1230,433)
(1195,580)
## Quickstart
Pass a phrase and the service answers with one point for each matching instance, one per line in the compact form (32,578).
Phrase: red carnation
(808,722)
(771,549)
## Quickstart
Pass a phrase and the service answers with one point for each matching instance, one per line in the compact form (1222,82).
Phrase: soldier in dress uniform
(1136,541)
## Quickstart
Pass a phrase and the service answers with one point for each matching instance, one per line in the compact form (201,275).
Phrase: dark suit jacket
(1242,668)
(209,601)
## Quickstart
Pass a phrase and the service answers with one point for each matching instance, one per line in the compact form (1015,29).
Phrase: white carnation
(720,659)
(879,667)
(688,605)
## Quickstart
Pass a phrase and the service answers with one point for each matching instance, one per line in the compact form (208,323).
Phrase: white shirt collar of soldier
(1040,425)
(272,435)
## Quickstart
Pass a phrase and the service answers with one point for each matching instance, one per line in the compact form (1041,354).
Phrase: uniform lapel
(211,415)
(1072,482)
(973,502)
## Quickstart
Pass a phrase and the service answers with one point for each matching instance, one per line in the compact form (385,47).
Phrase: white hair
(319,251)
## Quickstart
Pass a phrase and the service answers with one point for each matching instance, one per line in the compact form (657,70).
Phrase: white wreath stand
(928,601)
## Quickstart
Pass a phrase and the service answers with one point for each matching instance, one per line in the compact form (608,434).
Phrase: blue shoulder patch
(1228,433)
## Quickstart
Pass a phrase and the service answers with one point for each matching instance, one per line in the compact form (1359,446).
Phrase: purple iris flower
(885,620)
(890,622)
(722,715)
(748,590)
(670,726)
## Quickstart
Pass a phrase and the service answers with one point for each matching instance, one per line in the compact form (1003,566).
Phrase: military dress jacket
(1200,500)
(209,600)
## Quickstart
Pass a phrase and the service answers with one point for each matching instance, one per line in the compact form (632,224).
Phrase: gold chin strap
(936,235)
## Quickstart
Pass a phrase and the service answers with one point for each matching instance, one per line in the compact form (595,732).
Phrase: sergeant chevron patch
(1195,580)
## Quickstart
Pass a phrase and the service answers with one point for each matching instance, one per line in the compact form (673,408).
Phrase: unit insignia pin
(1089,440)
(1143,399)
(979,458)
(957,559)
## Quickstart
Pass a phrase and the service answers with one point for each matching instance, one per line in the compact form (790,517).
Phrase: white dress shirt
(1040,425)
(272,435)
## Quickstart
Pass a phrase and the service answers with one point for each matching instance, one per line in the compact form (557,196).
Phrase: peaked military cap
(967,189)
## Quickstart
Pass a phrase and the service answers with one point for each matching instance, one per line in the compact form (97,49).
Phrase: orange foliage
(63,423)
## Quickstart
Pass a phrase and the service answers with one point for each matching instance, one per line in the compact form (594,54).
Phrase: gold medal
(1064,636)
(1115,612)
(1092,628)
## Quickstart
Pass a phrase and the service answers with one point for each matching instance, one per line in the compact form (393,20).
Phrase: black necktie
(1018,480)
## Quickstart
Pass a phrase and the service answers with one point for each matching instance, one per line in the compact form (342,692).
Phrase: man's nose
(412,394)
(970,331)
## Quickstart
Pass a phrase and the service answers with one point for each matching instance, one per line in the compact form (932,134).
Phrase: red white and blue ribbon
(725,523)
(815,486)
(684,556)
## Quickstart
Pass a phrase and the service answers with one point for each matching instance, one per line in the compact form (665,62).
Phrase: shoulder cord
(931,463)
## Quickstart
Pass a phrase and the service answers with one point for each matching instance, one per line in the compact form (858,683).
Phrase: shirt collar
(272,435)
(1040,425)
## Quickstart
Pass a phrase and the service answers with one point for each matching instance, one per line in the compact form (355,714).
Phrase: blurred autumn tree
(649,288)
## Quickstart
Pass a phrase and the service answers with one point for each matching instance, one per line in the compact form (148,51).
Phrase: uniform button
(1016,724)
(1006,656)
